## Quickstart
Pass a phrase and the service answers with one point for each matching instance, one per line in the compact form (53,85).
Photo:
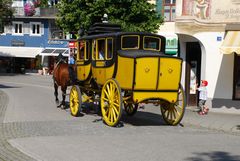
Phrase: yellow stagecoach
(122,69)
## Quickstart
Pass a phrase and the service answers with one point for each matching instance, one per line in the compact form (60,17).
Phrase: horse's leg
(56,92)
(64,89)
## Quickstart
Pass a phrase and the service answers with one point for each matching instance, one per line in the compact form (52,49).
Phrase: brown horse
(61,78)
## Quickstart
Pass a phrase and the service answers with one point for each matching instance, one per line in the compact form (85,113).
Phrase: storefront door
(193,72)
(236,83)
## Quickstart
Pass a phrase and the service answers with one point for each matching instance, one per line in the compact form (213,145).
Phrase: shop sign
(72,44)
(219,38)
(55,42)
(17,43)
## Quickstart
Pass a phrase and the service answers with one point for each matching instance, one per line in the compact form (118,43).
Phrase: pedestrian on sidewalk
(203,97)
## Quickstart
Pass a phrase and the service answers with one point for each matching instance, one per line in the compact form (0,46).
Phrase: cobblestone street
(10,131)
(32,128)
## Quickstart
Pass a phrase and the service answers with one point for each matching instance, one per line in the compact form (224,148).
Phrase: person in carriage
(71,63)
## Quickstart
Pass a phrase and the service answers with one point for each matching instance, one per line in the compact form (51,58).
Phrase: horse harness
(61,60)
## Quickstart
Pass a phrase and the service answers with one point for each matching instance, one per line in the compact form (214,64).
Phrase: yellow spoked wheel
(111,102)
(172,113)
(75,100)
(130,108)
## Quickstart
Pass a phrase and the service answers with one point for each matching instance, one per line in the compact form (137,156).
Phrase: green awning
(171,45)
(171,51)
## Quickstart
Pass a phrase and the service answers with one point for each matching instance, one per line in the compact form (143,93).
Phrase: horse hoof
(64,107)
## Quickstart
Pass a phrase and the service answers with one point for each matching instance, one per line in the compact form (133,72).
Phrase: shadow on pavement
(214,156)
(143,118)
(9,74)
(4,86)
(238,127)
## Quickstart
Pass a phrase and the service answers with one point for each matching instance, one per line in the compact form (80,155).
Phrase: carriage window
(152,43)
(81,46)
(101,49)
(130,42)
(87,50)
(109,48)
(94,50)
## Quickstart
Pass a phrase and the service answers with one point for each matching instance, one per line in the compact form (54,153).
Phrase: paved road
(32,128)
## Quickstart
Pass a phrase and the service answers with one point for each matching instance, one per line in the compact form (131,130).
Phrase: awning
(231,43)
(23,52)
(55,52)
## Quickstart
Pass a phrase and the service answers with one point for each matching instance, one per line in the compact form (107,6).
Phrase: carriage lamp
(105,18)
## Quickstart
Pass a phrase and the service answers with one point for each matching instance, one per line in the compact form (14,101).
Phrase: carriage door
(193,71)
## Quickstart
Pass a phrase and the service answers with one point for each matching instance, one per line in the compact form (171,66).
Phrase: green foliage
(6,11)
(44,3)
(132,15)
(38,62)
(40,3)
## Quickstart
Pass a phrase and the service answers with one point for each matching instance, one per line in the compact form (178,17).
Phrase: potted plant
(39,65)
(40,69)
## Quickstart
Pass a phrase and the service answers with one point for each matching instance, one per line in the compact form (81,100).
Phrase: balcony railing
(19,11)
(49,12)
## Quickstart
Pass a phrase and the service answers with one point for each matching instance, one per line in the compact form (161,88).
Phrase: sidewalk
(229,123)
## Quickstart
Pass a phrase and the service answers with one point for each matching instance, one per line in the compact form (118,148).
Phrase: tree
(132,15)
(6,13)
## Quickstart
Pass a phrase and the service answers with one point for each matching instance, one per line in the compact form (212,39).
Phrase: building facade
(32,40)
(209,36)
(208,33)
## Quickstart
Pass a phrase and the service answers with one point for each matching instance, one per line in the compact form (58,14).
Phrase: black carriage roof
(117,34)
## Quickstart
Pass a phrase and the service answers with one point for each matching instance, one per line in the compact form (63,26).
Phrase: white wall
(179,4)
(167,27)
(217,68)
(183,56)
